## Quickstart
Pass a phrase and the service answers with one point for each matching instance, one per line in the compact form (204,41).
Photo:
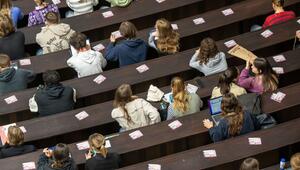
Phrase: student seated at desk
(37,16)
(14,144)
(80,7)
(184,103)
(227,84)
(54,36)
(12,79)
(132,112)
(85,60)
(126,49)
(295,162)
(250,164)
(208,59)
(98,157)
(234,122)
(57,159)
(11,41)
(265,78)
(164,39)
(54,97)
(15,13)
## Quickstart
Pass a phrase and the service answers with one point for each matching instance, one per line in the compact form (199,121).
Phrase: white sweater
(87,63)
(141,112)
(83,7)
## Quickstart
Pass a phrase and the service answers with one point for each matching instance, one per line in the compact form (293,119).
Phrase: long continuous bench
(150,144)
(87,88)
(231,152)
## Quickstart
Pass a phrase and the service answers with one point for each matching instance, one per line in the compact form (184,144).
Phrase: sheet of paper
(278,70)
(267,33)
(175,124)
(29,165)
(210,153)
(107,14)
(254,141)
(107,144)
(227,12)
(191,88)
(136,134)
(278,97)
(142,68)
(154,167)
(279,58)
(25,62)
(83,145)
(174,26)
(99,47)
(82,115)
(99,79)
(230,43)
(199,21)
(11,99)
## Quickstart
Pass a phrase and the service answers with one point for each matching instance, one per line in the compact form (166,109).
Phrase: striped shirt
(279,18)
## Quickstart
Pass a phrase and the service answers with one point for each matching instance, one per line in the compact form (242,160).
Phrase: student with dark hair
(15,13)
(54,36)
(208,59)
(57,159)
(98,157)
(280,15)
(85,60)
(12,79)
(265,78)
(9,36)
(14,145)
(164,39)
(53,97)
(227,84)
(37,16)
(184,103)
(234,122)
(250,164)
(126,49)
(132,112)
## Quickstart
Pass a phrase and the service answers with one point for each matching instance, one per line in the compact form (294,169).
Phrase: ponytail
(226,78)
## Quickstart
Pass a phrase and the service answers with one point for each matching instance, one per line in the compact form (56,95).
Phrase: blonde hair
(168,40)
(4,61)
(97,142)
(295,161)
(15,136)
(6,25)
(181,97)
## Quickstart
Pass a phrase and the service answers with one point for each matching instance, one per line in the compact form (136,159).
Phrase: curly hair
(208,49)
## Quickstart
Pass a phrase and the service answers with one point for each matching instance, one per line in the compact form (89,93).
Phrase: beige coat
(234,89)
(141,112)
(54,37)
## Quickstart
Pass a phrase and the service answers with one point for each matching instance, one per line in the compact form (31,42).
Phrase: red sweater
(279,18)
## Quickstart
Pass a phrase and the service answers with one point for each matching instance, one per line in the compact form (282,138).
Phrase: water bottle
(282,164)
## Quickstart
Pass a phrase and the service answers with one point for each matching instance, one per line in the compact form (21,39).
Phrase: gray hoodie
(54,37)
(13,80)
(215,65)
(87,63)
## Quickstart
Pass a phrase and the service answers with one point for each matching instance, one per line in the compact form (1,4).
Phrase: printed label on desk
(210,153)
(267,33)
(136,134)
(82,115)
(174,26)
(83,145)
(227,12)
(255,141)
(107,14)
(142,68)
(28,166)
(11,99)
(175,124)
(154,167)
(199,21)
(25,62)
(99,79)
(279,58)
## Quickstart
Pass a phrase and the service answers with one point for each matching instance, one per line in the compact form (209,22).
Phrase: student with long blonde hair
(184,103)
(132,112)
(265,78)
(234,122)
(14,13)
(164,39)
(98,157)
(295,162)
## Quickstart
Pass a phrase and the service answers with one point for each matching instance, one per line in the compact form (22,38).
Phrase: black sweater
(13,45)
(97,162)
(7,150)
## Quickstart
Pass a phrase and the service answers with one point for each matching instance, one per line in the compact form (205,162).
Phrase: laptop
(215,109)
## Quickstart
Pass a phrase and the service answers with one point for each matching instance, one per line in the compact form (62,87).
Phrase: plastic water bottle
(282,164)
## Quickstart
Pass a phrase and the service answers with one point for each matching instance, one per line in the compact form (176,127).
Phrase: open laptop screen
(215,105)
